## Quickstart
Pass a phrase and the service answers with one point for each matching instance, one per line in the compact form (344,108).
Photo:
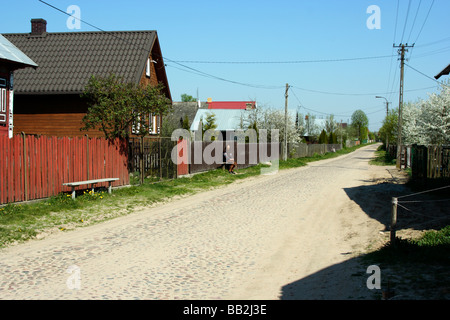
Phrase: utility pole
(401,51)
(285,122)
(387,114)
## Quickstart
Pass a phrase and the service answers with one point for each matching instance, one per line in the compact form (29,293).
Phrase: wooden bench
(90,182)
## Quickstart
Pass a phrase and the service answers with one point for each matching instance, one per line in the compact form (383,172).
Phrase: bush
(323,139)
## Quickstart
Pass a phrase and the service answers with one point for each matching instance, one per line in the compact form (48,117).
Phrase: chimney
(38,26)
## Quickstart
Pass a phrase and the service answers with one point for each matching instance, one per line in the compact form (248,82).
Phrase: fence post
(25,180)
(87,155)
(393,219)
(141,159)
(160,166)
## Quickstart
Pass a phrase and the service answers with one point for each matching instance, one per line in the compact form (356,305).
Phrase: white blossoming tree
(428,121)
(268,118)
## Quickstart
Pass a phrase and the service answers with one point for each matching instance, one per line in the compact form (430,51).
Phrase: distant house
(245,105)
(11,59)
(181,110)
(313,129)
(227,120)
(47,100)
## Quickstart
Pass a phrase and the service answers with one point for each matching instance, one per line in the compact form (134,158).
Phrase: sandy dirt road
(292,235)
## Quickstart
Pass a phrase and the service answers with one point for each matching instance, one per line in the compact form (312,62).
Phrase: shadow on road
(418,212)
(347,280)
(342,281)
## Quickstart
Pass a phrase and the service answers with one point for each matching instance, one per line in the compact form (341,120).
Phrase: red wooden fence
(36,167)
(182,158)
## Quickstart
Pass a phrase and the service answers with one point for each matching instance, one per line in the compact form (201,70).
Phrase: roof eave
(15,65)
(446,71)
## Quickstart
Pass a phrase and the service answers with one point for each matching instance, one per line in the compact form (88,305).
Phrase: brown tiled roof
(67,60)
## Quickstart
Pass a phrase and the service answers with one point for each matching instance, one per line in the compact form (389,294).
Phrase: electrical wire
(393,41)
(343,114)
(425,21)
(201,73)
(205,74)
(406,20)
(430,53)
(443,84)
(170,60)
(434,42)
(284,62)
(357,94)
(423,25)
(414,22)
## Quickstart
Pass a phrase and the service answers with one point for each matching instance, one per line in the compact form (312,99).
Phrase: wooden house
(48,101)
(11,59)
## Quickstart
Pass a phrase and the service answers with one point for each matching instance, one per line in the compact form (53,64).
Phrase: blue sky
(321,32)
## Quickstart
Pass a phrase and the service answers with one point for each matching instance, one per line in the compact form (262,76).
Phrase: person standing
(229,160)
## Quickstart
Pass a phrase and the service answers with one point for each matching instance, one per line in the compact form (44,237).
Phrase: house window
(136,126)
(154,124)
(147,69)
(3,100)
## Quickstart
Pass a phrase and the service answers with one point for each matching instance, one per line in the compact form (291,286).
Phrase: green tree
(360,122)
(187,98)
(115,106)
(323,139)
(388,130)
(332,138)
(185,123)
(209,124)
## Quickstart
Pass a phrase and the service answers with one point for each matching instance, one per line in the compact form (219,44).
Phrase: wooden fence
(153,155)
(36,167)
(245,154)
(308,150)
(430,162)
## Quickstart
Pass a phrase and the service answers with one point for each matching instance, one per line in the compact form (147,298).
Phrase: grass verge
(416,268)
(382,158)
(20,222)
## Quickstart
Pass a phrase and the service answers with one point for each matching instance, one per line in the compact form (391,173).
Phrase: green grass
(382,158)
(432,247)
(23,221)
(416,268)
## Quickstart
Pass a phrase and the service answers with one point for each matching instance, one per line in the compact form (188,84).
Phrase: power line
(406,21)
(178,63)
(426,76)
(396,20)
(423,25)
(415,17)
(283,62)
(430,53)
(356,94)
(343,114)
(434,42)
(66,13)
(201,73)
(424,22)
(392,59)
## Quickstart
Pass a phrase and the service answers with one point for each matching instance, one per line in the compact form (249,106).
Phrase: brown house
(47,100)
(11,59)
